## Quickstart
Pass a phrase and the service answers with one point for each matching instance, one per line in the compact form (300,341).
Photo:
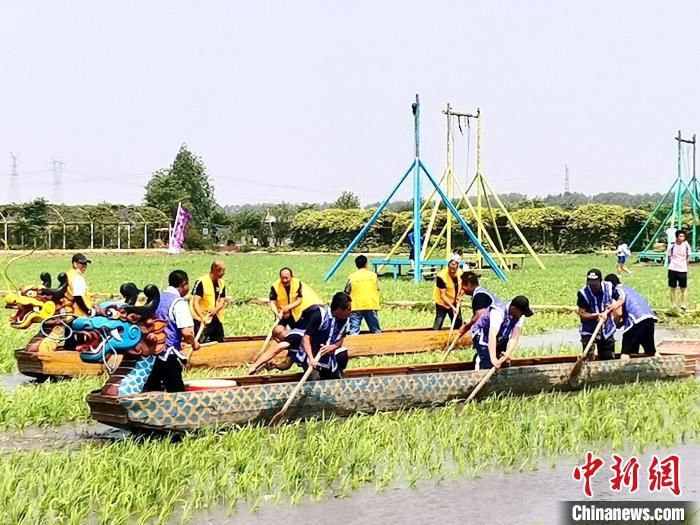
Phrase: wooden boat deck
(241,350)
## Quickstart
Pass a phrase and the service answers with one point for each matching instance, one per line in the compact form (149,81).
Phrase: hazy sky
(300,100)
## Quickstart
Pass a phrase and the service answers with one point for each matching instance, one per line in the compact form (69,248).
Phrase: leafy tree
(32,220)
(185,181)
(347,201)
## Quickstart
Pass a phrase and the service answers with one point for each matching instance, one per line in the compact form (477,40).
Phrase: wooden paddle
(579,362)
(488,375)
(449,348)
(279,415)
(267,340)
(202,326)
(454,321)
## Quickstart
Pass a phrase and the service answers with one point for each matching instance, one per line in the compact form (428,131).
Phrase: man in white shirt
(670,234)
(678,260)
(175,311)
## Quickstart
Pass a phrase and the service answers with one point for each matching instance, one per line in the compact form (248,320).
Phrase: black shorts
(641,334)
(679,279)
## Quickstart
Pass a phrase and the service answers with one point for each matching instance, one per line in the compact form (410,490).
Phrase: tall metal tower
(567,188)
(14,180)
(57,169)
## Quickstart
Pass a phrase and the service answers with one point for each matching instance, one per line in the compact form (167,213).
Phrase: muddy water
(517,498)
(571,336)
(13,381)
(61,437)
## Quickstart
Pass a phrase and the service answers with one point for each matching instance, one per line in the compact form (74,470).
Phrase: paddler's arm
(267,356)
(291,306)
(80,300)
(493,341)
(512,344)
(617,303)
(306,345)
(327,349)
(466,326)
(188,337)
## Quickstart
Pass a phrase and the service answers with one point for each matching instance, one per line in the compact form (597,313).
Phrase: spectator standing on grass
(446,295)
(670,234)
(363,288)
(678,260)
(410,239)
(622,252)
(208,302)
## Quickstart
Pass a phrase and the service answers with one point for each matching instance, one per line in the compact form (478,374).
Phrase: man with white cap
(595,301)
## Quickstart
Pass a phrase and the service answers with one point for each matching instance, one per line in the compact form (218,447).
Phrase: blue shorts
(621,259)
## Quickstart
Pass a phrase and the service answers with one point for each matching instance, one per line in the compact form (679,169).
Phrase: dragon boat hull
(256,399)
(237,351)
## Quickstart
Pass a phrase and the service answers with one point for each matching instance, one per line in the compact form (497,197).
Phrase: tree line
(566,221)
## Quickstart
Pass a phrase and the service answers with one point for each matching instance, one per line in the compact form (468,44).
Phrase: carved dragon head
(121,328)
(34,303)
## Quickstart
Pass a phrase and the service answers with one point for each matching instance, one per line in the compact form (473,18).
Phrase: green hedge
(547,229)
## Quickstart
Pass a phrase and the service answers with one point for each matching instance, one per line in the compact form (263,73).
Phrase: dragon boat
(228,402)
(45,355)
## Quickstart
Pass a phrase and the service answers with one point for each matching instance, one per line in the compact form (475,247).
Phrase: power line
(57,168)
(14,180)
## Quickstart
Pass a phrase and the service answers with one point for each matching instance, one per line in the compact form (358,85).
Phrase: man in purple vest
(635,317)
(175,311)
(497,331)
(317,339)
(595,301)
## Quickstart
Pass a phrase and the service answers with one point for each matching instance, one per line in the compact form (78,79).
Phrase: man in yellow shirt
(363,288)
(446,294)
(208,302)
(290,297)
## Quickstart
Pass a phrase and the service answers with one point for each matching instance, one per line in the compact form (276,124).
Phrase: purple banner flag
(177,236)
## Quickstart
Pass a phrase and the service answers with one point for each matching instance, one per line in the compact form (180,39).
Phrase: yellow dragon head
(34,304)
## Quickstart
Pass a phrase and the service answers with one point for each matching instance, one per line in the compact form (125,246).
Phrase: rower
(290,298)
(363,288)
(498,330)
(317,339)
(76,296)
(595,301)
(77,292)
(208,302)
(481,299)
(173,309)
(445,294)
(635,317)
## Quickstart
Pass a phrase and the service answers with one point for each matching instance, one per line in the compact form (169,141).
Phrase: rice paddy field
(130,479)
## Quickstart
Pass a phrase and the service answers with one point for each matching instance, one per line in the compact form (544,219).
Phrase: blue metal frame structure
(416,167)
(678,191)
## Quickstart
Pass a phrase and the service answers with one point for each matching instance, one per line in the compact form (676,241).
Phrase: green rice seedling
(157,478)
